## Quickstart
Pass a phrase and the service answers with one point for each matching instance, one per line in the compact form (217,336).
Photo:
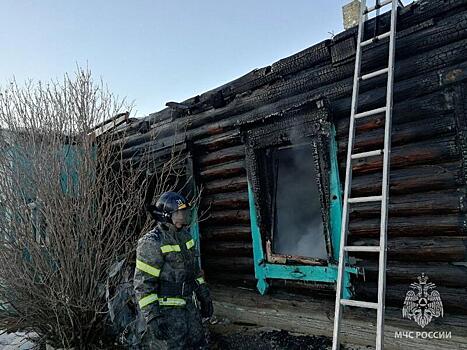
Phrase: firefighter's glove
(204,298)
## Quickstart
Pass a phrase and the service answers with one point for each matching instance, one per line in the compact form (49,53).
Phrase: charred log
(412,179)
(240,216)
(229,249)
(452,298)
(427,203)
(223,171)
(226,233)
(402,134)
(425,226)
(443,274)
(433,249)
(428,152)
(225,185)
(222,156)
(238,200)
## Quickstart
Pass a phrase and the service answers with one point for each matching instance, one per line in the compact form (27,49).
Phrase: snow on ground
(15,341)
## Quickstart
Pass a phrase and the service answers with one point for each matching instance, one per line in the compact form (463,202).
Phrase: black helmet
(168,203)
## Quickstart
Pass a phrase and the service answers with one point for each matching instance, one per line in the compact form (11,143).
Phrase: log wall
(428,221)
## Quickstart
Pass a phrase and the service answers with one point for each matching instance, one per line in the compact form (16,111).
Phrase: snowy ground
(15,341)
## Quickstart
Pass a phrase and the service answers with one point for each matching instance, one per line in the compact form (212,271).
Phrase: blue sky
(157,51)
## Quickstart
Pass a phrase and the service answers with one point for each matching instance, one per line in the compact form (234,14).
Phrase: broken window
(298,228)
(288,168)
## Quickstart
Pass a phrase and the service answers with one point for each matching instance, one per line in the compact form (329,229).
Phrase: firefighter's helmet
(166,205)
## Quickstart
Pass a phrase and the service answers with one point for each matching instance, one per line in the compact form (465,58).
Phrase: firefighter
(168,282)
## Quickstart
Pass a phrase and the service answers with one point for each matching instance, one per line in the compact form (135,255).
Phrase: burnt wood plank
(444,274)
(414,226)
(221,185)
(412,179)
(439,248)
(425,203)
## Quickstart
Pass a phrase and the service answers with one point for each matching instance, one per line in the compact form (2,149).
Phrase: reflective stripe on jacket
(164,254)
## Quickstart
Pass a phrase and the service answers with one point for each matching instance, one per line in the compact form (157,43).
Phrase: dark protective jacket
(166,271)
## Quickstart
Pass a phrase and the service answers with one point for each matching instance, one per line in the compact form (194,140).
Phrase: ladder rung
(374,74)
(365,199)
(358,248)
(368,113)
(367,154)
(373,40)
(372,8)
(358,303)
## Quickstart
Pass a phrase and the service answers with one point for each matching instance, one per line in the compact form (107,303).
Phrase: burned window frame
(269,157)
(314,117)
(315,130)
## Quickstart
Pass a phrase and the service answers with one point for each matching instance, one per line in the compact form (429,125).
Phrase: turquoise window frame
(194,225)
(327,274)
(194,231)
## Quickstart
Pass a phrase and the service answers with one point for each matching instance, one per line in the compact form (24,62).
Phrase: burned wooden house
(269,150)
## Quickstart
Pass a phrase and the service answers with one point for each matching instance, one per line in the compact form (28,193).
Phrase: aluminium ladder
(383,198)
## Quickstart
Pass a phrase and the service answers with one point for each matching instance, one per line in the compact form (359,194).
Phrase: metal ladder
(383,198)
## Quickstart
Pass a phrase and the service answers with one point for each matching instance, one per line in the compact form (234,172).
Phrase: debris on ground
(249,337)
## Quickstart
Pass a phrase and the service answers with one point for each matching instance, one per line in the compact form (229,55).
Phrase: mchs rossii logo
(422,302)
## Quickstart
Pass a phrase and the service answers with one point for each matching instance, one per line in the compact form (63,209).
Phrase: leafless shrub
(70,207)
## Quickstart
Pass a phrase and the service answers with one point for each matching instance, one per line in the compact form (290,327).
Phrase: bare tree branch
(70,206)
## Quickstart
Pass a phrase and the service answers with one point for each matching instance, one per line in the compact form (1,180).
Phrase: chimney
(350,13)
